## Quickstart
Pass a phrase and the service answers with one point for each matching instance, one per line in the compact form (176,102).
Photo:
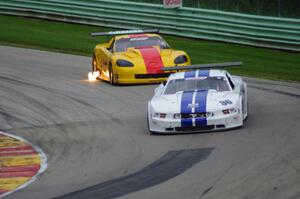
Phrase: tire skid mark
(9,118)
(276,91)
(20,163)
(49,90)
(16,80)
(167,167)
(87,106)
(283,84)
(44,115)
(38,108)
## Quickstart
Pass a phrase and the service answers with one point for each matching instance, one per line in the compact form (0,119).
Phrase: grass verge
(76,39)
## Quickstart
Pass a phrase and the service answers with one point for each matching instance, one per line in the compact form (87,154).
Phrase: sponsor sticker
(139,38)
(225,102)
(172,3)
(196,78)
(126,32)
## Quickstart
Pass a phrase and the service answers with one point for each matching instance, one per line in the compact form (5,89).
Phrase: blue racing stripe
(203,73)
(186,99)
(190,74)
(201,97)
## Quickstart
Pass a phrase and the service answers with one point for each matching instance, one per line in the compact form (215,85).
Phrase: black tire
(247,107)
(94,67)
(150,132)
(94,64)
(111,74)
(243,106)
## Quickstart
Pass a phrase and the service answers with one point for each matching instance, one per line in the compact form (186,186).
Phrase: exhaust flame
(93,75)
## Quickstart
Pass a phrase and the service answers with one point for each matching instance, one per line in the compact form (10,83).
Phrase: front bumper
(128,75)
(213,124)
(139,79)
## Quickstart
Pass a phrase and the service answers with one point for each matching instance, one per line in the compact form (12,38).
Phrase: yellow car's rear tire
(111,74)
(94,64)
(95,68)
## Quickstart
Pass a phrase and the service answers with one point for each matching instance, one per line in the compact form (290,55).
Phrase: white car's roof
(198,73)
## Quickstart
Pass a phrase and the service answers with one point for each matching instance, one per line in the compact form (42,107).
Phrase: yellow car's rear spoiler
(124,32)
(203,66)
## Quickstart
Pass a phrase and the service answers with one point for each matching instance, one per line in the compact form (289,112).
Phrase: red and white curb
(20,163)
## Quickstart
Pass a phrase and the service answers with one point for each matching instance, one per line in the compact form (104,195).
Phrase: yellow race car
(134,57)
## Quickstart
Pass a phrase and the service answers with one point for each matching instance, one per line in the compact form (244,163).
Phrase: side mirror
(164,82)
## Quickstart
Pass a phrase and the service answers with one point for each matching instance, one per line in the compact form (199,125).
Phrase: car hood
(167,56)
(204,101)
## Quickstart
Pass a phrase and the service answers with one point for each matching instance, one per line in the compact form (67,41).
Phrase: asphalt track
(97,145)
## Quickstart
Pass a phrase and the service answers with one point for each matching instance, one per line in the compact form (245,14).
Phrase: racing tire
(244,109)
(247,111)
(111,74)
(246,105)
(94,64)
(148,126)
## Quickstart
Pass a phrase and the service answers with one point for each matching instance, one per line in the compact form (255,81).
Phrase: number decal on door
(225,102)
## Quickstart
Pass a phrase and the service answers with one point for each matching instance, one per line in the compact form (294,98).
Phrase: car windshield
(121,45)
(200,83)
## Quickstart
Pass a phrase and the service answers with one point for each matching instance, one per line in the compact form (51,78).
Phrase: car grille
(193,115)
(148,76)
(195,128)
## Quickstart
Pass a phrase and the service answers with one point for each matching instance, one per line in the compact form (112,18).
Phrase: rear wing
(203,66)
(124,32)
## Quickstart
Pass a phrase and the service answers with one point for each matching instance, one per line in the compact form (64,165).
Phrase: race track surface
(96,141)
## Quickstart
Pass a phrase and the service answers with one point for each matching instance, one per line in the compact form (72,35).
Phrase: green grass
(76,39)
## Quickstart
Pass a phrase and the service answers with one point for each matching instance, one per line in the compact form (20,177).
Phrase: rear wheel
(247,110)
(94,64)
(245,99)
(244,108)
(111,74)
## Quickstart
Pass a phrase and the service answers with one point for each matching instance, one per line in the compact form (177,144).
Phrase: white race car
(198,101)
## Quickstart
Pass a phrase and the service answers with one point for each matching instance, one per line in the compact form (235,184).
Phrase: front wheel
(149,131)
